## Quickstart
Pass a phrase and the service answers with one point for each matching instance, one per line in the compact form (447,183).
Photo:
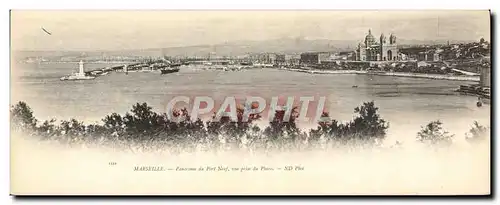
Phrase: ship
(169,70)
(469,89)
(78,76)
(484,97)
(175,65)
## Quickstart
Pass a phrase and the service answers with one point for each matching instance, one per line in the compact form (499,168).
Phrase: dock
(107,69)
(145,66)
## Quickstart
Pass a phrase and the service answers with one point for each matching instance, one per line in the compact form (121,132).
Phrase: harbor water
(406,103)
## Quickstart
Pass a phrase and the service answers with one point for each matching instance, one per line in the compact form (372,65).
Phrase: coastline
(396,74)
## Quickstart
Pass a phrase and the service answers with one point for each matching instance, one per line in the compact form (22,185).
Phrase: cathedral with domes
(381,50)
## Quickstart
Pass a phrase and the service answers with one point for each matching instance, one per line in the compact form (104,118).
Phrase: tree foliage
(22,116)
(477,133)
(143,128)
(367,127)
(434,134)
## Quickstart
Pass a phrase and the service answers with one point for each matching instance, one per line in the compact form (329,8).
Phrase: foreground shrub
(433,134)
(284,134)
(22,116)
(141,129)
(477,133)
(366,128)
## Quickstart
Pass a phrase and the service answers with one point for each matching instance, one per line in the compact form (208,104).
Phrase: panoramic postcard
(248,102)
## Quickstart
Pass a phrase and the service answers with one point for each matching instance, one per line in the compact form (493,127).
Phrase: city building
(294,59)
(383,50)
(287,59)
(314,58)
(403,57)
(271,58)
(345,55)
(266,58)
(281,59)
(485,77)
(431,55)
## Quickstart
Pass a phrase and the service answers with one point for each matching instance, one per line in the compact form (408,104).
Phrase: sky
(120,30)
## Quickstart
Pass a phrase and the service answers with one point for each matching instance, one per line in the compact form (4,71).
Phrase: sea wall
(397,74)
(429,76)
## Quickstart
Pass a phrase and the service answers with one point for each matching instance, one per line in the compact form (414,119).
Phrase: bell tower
(383,55)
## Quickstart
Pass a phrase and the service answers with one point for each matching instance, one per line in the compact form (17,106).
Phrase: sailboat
(78,76)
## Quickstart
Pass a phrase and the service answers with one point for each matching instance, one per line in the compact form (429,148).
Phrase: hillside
(282,45)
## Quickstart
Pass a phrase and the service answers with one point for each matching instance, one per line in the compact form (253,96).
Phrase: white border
(254,4)
(198,4)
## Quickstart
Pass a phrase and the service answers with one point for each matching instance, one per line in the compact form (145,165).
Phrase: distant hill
(285,45)
(406,42)
(47,54)
(282,45)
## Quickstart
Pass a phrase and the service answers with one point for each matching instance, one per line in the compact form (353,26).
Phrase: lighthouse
(81,72)
(80,75)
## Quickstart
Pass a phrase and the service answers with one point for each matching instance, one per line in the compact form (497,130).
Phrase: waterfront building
(314,57)
(271,58)
(345,55)
(403,57)
(287,59)
(485,77)
(266,58)
(281,59)
(383,50)
(430,55)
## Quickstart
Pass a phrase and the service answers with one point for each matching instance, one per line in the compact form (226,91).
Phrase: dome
(369,39)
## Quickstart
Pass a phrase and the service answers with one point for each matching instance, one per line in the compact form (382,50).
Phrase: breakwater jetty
(396,74)
(113,68)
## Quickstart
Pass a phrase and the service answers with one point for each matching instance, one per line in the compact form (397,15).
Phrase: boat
(78,76)
(175,65)
(96,72)
(169,70)
(469,89)
(483,100)
(147,68)
(484,97)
